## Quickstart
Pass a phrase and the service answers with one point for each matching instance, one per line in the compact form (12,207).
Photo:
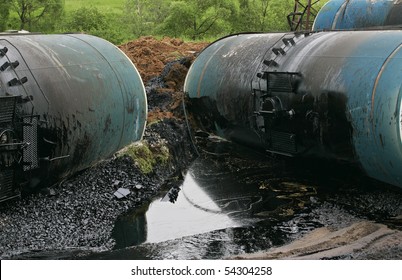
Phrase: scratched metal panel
(358,14)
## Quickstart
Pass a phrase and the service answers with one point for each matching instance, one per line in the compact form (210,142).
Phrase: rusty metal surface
(342,102)
(85,95)
(358,14)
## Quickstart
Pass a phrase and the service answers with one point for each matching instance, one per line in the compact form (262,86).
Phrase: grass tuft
(146,156)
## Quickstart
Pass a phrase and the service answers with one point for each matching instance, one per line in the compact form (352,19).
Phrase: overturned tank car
(335,95)
(359,14)
(66,102)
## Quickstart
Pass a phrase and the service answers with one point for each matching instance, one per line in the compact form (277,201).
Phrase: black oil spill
(234,201)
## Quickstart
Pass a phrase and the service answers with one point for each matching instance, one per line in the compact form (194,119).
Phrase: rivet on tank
(66,102)
(333,95)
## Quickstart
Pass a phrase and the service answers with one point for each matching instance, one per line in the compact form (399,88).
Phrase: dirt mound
(150,55)
(163,66)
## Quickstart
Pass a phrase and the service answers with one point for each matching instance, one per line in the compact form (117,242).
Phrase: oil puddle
(234,202)
(200,205)
(226,205)
(193,212)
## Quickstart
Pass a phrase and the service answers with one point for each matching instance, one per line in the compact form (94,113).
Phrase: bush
(91,20)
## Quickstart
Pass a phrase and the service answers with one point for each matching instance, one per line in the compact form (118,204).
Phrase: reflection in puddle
(213,197)
(194,212)
(195,208)
(234,205)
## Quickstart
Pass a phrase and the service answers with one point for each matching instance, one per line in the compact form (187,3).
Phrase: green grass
(145,156)
(112,6)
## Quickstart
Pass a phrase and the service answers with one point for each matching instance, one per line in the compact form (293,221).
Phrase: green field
(115,6)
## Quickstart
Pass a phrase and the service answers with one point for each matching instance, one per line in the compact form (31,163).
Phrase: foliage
(91,20)
(106,6)
(86,19)
(199,18)
(263,15)
(33,13)
(115,30)
(123,20)
(144,16)
(4,13)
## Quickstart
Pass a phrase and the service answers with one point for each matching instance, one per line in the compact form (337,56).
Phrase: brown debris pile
(163,66)
(150,55)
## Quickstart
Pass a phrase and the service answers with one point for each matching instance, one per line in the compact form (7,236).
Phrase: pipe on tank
(358,14)
(67,102)
(333,95)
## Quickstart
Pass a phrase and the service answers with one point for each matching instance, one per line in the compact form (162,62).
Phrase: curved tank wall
(358,14)
(68,101)
(328,94)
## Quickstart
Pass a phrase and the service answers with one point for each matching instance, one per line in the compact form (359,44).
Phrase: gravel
(78,214)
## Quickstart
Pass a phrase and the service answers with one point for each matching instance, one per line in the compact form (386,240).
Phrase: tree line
(186,19)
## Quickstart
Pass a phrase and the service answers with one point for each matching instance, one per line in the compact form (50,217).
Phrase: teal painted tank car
(359,14)
(335,95)
(66,102)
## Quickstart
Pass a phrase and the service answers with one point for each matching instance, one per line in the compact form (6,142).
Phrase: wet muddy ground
(78,215)
(235,203)
(229,202)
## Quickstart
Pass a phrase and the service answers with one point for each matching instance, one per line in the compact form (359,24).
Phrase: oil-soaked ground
(235,202)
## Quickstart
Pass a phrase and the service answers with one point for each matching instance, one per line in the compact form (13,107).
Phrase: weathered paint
(327,15)
(346,102)
(358,14)
(87,96)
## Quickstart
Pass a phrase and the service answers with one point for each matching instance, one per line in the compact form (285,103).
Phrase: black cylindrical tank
(329,94)
(66,102)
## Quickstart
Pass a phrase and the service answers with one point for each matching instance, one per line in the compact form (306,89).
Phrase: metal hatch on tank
(359,14)
(334,95)
(66,102)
